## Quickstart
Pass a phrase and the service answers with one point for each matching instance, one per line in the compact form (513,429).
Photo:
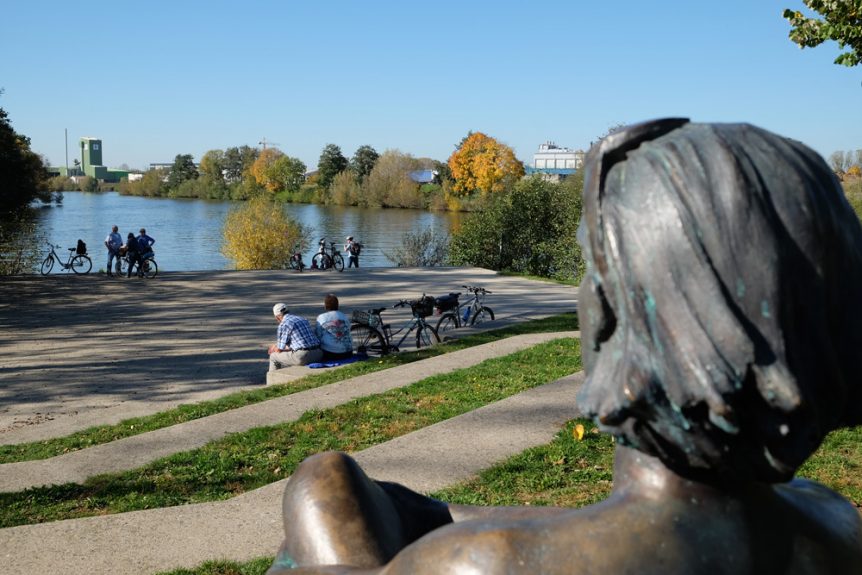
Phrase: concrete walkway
(138,450)
(127,348)
(249,525)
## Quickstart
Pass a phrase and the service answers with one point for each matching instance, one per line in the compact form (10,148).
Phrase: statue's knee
(321,477)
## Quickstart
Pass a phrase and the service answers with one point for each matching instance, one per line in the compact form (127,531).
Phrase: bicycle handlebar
(474,289)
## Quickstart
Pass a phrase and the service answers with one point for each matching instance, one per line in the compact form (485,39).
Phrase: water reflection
(188,232)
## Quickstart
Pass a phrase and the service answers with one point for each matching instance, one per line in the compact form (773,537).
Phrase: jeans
(352,261)
(135,258)
(111,256)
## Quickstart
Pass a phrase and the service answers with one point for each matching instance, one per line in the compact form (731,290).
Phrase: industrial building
(91,164)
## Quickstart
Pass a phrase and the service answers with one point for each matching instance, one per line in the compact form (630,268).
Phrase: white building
(556,163)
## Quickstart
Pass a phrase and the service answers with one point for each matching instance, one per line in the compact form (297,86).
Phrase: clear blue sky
(157,79)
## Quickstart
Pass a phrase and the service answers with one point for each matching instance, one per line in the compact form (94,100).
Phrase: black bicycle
(324,260)
(454,314)
(373,337)
(148,268)
(79,263)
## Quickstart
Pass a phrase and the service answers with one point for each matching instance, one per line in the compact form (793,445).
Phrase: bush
(260,235)
(530,230)
(425,248)
(20,243)
(853,191)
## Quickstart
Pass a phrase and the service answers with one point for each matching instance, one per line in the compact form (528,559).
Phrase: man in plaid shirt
(296,343)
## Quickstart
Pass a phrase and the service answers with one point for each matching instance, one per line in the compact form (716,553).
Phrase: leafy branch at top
(841,21)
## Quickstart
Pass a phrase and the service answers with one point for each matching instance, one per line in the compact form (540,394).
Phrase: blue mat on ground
(336,362)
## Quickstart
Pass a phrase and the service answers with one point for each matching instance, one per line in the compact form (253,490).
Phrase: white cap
(349,237)
(279,309)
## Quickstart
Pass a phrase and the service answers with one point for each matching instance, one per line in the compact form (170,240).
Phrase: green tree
(211,182)
(23,173)
(331,163)
(363,161)
(238,161)
(841,21)
(289,173)
(444,173)
(530,229)
(183,169)
(260,235)
(212,167)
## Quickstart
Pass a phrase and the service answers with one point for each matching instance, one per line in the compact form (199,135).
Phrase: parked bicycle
(79,263)
(327,260)
(370,335)
(148,268)
(454,314)
(296,262)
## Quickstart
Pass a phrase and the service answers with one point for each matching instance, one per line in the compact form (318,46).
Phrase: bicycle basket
(364,317)
(447,302)
(423,307)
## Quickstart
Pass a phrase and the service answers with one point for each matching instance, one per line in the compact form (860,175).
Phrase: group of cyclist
(136,250)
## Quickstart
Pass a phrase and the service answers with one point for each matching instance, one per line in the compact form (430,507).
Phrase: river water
(188,233)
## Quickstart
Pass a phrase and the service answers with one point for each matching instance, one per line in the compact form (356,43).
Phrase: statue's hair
(721,311)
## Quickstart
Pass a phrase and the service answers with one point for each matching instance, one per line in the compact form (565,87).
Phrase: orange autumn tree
(261,169)
(483,164)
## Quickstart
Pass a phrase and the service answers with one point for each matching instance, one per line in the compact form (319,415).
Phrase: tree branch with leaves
(841,22)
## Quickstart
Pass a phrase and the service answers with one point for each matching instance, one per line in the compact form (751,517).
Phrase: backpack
(356,248)
(81,248)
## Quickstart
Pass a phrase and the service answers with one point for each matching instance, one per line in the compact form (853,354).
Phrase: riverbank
(78,351)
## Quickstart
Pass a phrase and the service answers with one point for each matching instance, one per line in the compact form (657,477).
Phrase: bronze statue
(721,318)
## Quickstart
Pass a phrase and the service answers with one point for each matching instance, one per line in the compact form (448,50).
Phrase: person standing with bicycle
(113,243)
(133,254)
(146,243)
(352,249)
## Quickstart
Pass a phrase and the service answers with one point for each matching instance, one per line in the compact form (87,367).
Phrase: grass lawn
(107,433)
(244,461)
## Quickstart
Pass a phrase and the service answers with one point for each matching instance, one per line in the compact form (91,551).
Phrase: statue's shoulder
(826,523)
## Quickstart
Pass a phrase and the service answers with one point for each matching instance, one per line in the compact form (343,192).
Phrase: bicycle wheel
(447,321)
(295,264)
(47,264)
(484,313)
(81,264)
(338,262)
(323,261)
(426,336)
(367,339)
(150,268)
